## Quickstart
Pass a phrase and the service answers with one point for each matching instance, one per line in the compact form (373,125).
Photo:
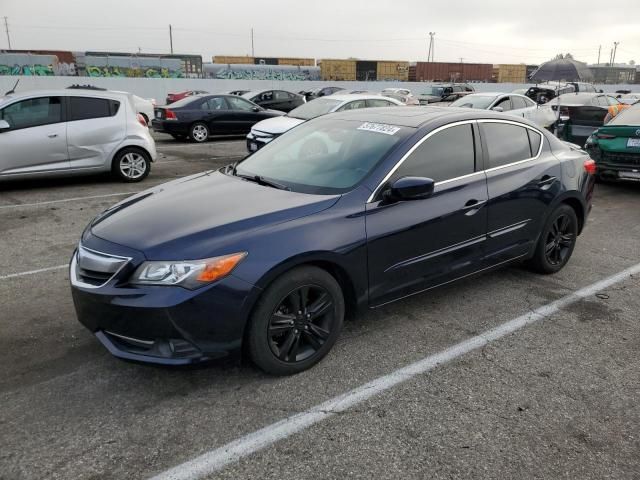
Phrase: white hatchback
(69,132)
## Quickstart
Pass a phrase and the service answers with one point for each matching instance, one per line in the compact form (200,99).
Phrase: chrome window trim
(74,261)
(454,124)
(413,149)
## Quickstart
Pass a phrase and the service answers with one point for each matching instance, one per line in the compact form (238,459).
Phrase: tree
(632,62)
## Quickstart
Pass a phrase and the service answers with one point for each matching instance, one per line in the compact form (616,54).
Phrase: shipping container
(366,70)
(265,61)
(300,62)
(412,73)
(512,73)
(331,69)
(236,60)
(393,70)
(452,71)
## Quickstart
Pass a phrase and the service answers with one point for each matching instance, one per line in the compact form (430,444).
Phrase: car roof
(345,97)
(420,116)
(579,98)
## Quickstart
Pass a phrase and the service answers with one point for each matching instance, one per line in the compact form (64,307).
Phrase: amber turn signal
(219,267)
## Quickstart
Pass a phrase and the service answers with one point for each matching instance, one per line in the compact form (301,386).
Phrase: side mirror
(498,109)
(255,109)
(410,188)
(4,125)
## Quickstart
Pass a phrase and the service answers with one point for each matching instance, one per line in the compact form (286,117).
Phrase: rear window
(183,102)
(630,116)
(314,108)
(85,108)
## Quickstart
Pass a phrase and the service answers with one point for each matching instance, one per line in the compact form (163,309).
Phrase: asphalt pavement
(554,399)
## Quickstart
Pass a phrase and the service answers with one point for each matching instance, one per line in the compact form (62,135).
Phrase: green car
(615,147)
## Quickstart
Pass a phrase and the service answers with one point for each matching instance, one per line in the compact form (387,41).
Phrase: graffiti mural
(261,72)
(148,72)
(28,65)
(135,67)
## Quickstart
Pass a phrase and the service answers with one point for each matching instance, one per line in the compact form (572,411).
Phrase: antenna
(13,90)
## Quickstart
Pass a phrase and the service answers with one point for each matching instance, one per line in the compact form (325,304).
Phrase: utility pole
(610,56)
(599,48)
(6,29)
(615,48)
(171,38)
(431,46)
(252,51)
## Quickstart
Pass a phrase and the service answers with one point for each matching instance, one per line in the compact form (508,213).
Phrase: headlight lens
(188,274)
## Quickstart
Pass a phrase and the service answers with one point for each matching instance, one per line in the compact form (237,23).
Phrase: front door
(37,138)
(244,116)
(414,245)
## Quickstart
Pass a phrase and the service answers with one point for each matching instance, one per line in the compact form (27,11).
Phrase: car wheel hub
(133,165)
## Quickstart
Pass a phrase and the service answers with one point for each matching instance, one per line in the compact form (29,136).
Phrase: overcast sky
(491,31)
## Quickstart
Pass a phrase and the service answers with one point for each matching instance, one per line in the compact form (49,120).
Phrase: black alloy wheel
(301,323)
(556,242)
(296,321)
(559,241)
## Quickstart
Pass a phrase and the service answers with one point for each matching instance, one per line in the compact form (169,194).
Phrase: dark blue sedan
(351,210)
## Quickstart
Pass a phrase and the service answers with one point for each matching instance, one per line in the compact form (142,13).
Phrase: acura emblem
(638,133)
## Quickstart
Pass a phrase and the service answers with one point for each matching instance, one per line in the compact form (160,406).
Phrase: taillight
(142,121)
(590,167)
(605,136)
(169,115)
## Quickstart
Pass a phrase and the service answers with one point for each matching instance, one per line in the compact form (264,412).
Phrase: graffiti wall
(134,67)
(27,64)
(261,72)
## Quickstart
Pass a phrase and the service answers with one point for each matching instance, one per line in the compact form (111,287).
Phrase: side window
(612,101)
(448,154)
(602,101)
(518,102)
(528,102)
(505,103)
(506,143)
(85,108)
(266,97)
(240,104)
(280,95)
(457,89)
(215,103)
(374,102)
(353,105)
(33,112)
(534,140)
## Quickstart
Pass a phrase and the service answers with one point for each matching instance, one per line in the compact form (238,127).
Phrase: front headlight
(190,274)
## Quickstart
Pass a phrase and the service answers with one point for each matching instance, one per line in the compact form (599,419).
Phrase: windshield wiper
(261,181)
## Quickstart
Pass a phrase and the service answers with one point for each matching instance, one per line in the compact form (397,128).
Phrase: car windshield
(324,156)
(314,108)
(435,91)
(474,101)
(630,117)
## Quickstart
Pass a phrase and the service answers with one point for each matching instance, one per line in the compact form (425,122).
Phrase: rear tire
(199,132)
(296,321)
(131,165)
(556,242)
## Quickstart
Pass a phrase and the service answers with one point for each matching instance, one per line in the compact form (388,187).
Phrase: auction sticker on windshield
(379,128)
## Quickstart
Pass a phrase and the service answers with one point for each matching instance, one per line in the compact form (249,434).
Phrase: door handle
(472,206)
(52,135)
(546,181)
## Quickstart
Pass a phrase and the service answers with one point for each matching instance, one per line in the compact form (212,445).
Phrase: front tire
(557,241)
(199,132)
(296,321)
(131,165)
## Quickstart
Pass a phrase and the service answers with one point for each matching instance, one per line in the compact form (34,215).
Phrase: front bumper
(255,141)
(164,324)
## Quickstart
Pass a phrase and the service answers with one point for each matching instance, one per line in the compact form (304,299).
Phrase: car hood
(277,125)
(199,216)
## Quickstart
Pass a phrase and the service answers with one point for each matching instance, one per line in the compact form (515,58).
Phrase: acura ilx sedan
(346,211)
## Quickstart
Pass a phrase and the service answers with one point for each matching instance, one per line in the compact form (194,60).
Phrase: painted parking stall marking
(33,272)
(215,460)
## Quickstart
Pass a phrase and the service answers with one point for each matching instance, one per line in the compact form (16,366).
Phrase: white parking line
(33,272)
(74,199)
(215,460)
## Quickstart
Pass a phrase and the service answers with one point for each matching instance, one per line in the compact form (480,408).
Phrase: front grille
(623,159)
(90,268)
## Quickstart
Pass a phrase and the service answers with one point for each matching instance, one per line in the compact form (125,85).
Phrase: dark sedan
(275,99)
(268,255)
(201,116)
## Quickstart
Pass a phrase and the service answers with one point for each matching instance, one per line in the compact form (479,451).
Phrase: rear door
(414,245)
(37,138)
(218,115)
(520,107)
(523,177)
(282,101)
(95,128)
